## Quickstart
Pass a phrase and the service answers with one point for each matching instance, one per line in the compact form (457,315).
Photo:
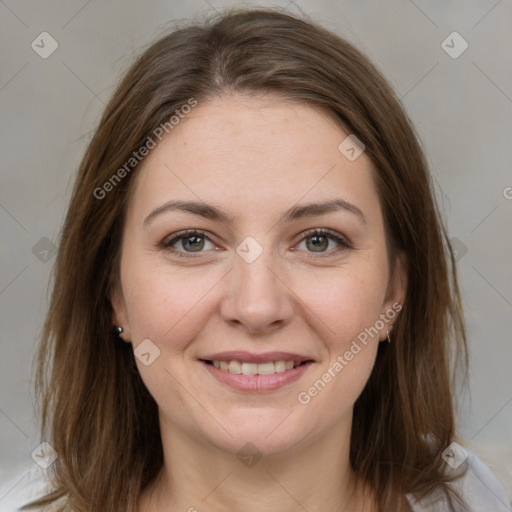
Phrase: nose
(257,298)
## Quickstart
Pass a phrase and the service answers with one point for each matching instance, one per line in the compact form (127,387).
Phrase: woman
(255,223)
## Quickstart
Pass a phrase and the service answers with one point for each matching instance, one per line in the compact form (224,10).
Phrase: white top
(479,487)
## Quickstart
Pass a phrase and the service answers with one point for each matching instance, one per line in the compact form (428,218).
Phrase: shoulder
(478,486)
(23,487)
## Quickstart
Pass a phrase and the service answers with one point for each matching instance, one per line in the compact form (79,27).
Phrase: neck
(197,476)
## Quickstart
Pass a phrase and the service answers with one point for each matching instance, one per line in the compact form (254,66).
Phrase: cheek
(344,312)
(345,302)
(166,305)
(171,309)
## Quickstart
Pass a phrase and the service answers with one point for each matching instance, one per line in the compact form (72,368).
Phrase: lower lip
(257,382)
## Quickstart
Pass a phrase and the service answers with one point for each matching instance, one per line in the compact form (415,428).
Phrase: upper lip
(250,357)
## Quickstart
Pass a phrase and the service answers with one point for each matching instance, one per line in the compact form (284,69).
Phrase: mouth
(256,372)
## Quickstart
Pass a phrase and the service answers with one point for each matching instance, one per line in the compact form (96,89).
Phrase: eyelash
(344,244)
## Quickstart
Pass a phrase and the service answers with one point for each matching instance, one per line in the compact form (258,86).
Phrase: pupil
(196,243)
(319,241)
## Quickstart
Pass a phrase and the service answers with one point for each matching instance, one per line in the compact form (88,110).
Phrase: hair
(95,410)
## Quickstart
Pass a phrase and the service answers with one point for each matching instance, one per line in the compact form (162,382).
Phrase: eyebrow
(296,212)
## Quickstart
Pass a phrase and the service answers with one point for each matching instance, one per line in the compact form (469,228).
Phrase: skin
(254,158)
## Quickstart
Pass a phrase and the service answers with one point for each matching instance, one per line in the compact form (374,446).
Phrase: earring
(118,329)
(389,340)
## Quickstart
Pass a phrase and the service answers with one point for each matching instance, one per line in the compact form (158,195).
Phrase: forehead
(253,154)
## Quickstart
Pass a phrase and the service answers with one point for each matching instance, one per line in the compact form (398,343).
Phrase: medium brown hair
(98,415)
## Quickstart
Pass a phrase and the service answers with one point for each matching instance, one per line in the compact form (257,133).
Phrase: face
(249,279)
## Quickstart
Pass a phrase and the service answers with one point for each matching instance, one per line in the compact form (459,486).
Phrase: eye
(187,243)
(319,240)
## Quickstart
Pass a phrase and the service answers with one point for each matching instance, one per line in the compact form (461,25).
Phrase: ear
(395,294)
(119,312)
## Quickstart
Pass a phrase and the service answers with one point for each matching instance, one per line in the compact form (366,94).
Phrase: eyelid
(340,238)
(171,239)
(343,242)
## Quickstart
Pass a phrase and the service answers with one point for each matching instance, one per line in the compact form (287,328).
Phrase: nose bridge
(256,296)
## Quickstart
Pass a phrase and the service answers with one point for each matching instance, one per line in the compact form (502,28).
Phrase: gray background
(461,108)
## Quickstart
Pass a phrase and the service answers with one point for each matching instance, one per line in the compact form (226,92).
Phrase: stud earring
(118,329)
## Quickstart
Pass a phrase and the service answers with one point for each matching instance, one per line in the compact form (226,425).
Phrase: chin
(268,432)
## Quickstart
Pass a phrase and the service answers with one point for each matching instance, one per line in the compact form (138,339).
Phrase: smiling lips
(256,372)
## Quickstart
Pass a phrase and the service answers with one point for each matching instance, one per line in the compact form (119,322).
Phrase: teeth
(265,368)
(280,366)
(235,367)
(255,368)
(249,368)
